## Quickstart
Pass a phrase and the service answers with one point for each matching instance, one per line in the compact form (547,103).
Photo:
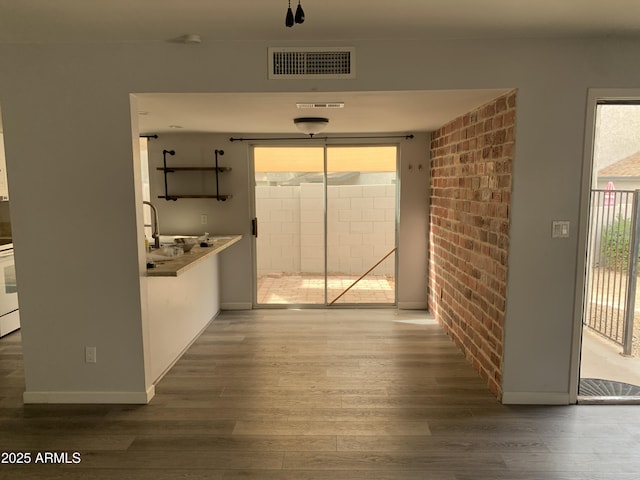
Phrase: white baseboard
(236,306)
(535,398)
(412,305)
(184,350)
(137,398)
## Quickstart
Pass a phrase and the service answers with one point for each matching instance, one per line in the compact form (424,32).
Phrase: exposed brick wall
(471,162)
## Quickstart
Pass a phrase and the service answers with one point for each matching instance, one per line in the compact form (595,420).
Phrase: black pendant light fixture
(299,13)
(290,20)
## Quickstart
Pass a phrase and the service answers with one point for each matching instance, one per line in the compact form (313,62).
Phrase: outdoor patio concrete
(308,288)
(602,359)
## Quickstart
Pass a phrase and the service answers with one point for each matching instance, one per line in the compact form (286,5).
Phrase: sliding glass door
(361,225)
(326,225)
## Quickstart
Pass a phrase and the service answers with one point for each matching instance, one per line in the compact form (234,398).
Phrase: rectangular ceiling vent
(321,105)
(312,62)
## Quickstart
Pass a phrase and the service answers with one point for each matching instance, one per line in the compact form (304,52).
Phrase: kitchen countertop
(175,266)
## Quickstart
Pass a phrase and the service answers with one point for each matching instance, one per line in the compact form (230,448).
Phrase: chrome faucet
(156,228)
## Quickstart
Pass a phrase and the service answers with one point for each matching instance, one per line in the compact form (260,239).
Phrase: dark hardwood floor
(318,395)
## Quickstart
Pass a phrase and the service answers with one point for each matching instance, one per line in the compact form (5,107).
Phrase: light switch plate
(90,355)
(560,229)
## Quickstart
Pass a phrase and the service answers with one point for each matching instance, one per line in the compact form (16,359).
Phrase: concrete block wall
(278,242)
(471,165)
(311,228)
(361,228)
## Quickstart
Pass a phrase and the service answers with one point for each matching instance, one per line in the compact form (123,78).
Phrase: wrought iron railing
(613,265)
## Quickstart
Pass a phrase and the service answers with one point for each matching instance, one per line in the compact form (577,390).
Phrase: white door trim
(594,96)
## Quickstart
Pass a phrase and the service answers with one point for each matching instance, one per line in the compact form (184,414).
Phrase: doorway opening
(610,356)
(326,225)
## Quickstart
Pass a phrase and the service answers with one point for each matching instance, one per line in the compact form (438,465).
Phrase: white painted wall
(182,217)
(67,129)
(179,309)
(414,222)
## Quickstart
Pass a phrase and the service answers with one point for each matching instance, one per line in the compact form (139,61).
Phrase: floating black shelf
(194,169)
(169,169)
(221,198)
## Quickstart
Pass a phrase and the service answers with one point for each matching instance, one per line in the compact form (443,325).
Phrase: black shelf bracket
(172,169)
(167,197)
(218,197)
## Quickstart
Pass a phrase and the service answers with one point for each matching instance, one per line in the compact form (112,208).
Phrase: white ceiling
(248,113)
(68,21)
(159,20)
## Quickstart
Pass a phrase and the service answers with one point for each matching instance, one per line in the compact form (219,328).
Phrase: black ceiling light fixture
(290,20)
(311,125)
(299,13)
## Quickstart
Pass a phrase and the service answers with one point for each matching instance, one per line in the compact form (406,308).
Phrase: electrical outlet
(90,355)
(203,219)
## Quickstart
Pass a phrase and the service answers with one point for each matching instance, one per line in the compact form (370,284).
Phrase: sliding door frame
(252,204)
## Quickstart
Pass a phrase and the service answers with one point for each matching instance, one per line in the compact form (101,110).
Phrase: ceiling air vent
(317,62)
(321,105)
